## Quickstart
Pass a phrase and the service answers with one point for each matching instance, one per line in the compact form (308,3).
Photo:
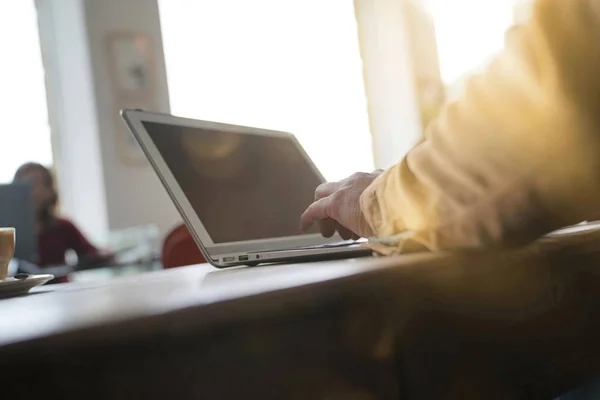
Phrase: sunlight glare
(468,33)
(23,108)
(284,65)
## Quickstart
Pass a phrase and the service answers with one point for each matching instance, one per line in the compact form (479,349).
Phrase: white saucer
(11,287)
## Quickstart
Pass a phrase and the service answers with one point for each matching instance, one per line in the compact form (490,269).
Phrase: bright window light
(469,33)
(290,65)
(25,133)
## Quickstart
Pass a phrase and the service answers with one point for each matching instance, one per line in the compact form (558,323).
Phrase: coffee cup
(7,249)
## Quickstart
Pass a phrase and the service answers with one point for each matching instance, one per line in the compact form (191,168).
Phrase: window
(468,34)
(289,65)
(25,133)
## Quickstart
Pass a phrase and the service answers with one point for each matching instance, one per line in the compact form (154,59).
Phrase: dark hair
(47,214)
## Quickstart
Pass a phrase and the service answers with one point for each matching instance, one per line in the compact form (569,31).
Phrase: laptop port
(228,259)
(243,258)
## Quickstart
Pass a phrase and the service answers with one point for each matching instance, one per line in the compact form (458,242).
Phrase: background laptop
(17,211)
(240,190)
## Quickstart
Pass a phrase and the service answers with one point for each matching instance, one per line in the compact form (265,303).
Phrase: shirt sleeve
(79,243)
(517,154)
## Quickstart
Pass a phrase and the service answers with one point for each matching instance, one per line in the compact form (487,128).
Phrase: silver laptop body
(240,190)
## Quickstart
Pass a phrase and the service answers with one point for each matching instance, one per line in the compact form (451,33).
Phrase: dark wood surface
(521,324)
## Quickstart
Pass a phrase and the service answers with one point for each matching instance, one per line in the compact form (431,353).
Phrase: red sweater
(55,241)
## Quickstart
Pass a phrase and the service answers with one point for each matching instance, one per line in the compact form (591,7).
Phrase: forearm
(509,160)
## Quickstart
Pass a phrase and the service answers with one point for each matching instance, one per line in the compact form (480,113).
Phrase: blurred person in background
(55,235)
(515,157)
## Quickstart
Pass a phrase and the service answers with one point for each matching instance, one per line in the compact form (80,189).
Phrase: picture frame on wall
(132,64)
(132,67)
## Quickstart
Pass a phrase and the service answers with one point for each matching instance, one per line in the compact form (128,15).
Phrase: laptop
(240,190)
(17,211)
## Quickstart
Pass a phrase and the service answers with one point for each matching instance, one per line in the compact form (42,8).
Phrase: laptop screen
(17,211)
(242,186)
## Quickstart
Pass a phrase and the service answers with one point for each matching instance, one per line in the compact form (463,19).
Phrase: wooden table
(523,324)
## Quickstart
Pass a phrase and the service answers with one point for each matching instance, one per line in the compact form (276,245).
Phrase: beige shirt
(517,155)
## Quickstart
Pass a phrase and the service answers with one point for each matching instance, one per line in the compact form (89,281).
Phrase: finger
(316,211)
(355,237)
(326,189)
(345,233)
(328,227)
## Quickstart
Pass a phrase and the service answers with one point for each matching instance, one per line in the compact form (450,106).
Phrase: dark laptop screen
(242,186)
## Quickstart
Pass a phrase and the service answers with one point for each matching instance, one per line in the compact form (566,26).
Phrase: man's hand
(337,207)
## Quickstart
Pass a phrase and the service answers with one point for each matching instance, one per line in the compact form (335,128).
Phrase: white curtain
(290,65)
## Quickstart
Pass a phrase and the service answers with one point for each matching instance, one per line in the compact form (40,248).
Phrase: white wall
(100,192)
(73,114)
(134,194)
